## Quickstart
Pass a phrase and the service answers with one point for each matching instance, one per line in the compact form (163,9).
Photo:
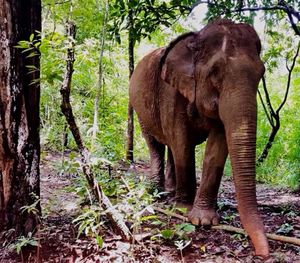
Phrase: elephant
(203,86)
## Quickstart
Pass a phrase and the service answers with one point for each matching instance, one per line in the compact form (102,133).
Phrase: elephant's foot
(183,198)
(155,187)
(170,187)
(187,206)
(205,217)
(156,182)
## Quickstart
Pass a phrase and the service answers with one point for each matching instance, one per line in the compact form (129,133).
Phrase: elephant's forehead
(230,37)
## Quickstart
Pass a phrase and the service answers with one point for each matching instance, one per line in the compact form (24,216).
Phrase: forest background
(101,72)
(111,37)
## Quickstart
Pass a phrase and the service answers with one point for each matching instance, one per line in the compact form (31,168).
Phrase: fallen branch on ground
(285,239)
(113,214)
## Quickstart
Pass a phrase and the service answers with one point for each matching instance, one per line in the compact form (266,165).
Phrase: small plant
(167,234)
(181,245)
(32,209)
(182,230)
(239,237)
(228,218)
(285,229)
(23,242)
(291,214)
(90,224)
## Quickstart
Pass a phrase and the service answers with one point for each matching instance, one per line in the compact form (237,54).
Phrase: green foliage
(282,165)
(285,228)
(23,242)
(151,19)
(89,223)
(143,17)
(167,234)
(181,245)
(32,209)
(234,10)
(175,231)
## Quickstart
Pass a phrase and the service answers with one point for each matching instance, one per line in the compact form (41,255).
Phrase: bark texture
(19,116)
(130,121)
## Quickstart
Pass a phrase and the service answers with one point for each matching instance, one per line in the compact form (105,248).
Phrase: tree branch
(289,10)
(65,90)
(268,100)
(265,108)
(275,115)
(290,70)
(60,3)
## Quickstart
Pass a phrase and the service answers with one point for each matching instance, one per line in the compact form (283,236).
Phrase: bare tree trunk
(130,122)
(19,117)
(100,74)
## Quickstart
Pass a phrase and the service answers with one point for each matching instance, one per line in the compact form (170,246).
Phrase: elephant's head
(218,70)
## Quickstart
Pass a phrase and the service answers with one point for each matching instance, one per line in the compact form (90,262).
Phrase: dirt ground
(279,208)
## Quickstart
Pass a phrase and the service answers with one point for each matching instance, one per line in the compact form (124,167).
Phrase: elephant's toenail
(195,221)
(205,222)
(215,221)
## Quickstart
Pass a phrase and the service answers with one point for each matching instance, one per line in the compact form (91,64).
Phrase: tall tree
(19,116)
(130,120)
(141,19)
(104,8)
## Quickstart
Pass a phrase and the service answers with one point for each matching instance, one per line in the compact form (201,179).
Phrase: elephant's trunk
(238,113)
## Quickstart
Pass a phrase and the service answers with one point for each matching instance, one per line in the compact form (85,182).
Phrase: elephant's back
(144,92)
(145,76)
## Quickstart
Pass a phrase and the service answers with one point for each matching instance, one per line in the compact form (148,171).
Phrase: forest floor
(59,241)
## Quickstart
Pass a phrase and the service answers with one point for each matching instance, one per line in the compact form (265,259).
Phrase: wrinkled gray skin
(203,87)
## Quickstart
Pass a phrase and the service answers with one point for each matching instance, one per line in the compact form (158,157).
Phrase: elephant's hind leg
(184,161)
(157,161)
(170,180)
(204,207)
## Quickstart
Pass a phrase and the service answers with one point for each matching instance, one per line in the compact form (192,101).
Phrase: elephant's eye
(215,75)
(214,71)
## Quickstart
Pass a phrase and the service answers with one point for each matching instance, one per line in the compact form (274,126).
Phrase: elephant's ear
(178,67)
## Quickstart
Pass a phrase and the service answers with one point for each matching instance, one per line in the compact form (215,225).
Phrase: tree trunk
(100,72)
(130,123)
(19,117)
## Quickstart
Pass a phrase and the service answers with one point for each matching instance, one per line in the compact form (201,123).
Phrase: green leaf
(182,210)
(187,227)
(99,241)
(32,54)
(167,234)
(31,37)
(150,217)
(285,229)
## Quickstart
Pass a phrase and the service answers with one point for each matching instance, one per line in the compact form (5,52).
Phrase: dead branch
(290,70)
(169,213)
(285,239)
(66,107)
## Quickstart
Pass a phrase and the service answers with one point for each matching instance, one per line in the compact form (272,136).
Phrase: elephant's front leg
(204,207)
(184,161)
